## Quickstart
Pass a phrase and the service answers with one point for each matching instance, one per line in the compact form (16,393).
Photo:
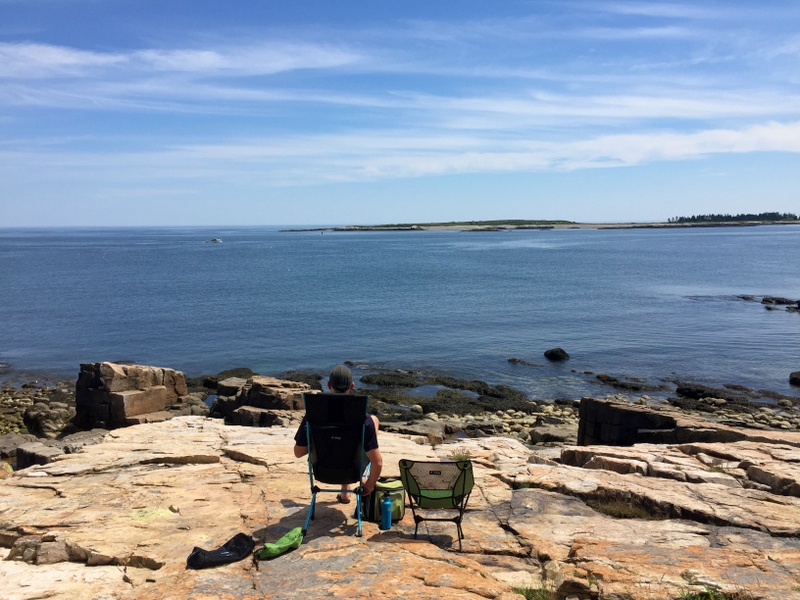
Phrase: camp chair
(438,485)
(335,433)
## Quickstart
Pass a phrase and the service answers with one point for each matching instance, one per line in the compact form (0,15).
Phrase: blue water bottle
(386,511)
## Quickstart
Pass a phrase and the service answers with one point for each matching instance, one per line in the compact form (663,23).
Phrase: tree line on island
(767,216)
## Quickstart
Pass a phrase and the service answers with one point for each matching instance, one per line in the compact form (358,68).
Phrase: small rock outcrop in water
(556,354)
(773,302)
(629,384)
(794,378)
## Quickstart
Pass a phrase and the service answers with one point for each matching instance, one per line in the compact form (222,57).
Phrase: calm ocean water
(647,303)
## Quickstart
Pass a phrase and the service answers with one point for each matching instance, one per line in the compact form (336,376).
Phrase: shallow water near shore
(653,304)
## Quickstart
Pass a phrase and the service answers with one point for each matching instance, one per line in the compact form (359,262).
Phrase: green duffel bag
(371,505)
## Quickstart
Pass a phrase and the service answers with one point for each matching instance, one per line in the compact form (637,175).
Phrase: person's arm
(300,440)
(376,464)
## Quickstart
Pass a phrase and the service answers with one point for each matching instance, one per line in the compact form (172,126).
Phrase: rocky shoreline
(615,498)
(450,408)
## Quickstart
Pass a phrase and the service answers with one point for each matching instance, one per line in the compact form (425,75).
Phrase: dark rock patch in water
(519,361)
(631,384)
(312,379)
(398,379)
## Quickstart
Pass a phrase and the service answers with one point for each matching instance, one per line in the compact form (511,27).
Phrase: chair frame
(460,492)
(343,411)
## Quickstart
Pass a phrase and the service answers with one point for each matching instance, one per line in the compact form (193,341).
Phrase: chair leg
(458,520)
(417,520)
(358,515)
(310,514)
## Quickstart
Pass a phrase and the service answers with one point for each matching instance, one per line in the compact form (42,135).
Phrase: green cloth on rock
(292,539)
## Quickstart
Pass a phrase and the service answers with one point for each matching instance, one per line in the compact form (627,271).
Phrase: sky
(273,112)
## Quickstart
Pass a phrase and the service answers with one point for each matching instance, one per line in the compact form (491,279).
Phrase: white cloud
(385,155)
(29,60)
(615,34)
(36,61)
(635,149)
(248,60)
(670,10)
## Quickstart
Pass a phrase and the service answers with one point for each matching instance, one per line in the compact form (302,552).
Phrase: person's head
(340,380)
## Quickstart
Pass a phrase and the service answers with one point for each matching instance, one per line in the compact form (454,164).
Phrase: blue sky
(200,112)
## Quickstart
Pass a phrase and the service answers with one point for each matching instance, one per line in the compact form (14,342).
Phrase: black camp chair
(438,486)
(335,433)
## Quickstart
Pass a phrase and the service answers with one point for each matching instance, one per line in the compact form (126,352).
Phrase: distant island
(511,224)
(767,217)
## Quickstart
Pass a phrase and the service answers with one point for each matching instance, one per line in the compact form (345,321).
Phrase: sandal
(342,499)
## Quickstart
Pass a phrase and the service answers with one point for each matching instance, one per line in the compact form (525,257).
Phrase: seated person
(340,381)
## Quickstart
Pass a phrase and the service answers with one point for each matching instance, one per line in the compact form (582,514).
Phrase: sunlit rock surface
(118,520)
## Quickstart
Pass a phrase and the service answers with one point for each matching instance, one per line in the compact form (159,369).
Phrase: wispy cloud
(377,155)
(30,60)
(617,34)
(671,10)
(264,59)
(36,61)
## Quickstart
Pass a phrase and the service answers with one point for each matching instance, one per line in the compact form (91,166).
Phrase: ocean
(653,304)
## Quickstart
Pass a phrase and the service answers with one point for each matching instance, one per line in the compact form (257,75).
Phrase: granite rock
(119,518)
(111,395)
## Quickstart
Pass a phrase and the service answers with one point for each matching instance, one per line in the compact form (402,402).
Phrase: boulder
(31,450)
(620,424)
(48,420)
(11,441)
(258,392)
(553,434)
(617,424)
(794,378)
(434,431)
(112,377)
(556,354)
(264,417)
(269,392)
(112,395)
(36,453)
(230,386)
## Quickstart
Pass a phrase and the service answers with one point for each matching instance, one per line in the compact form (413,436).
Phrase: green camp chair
(438,486)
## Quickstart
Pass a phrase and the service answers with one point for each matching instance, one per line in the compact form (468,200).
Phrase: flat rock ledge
(119,518)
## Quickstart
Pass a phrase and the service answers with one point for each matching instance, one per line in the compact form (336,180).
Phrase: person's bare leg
(343,497)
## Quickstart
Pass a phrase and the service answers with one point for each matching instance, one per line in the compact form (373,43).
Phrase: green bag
(371,505)
(290,540)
